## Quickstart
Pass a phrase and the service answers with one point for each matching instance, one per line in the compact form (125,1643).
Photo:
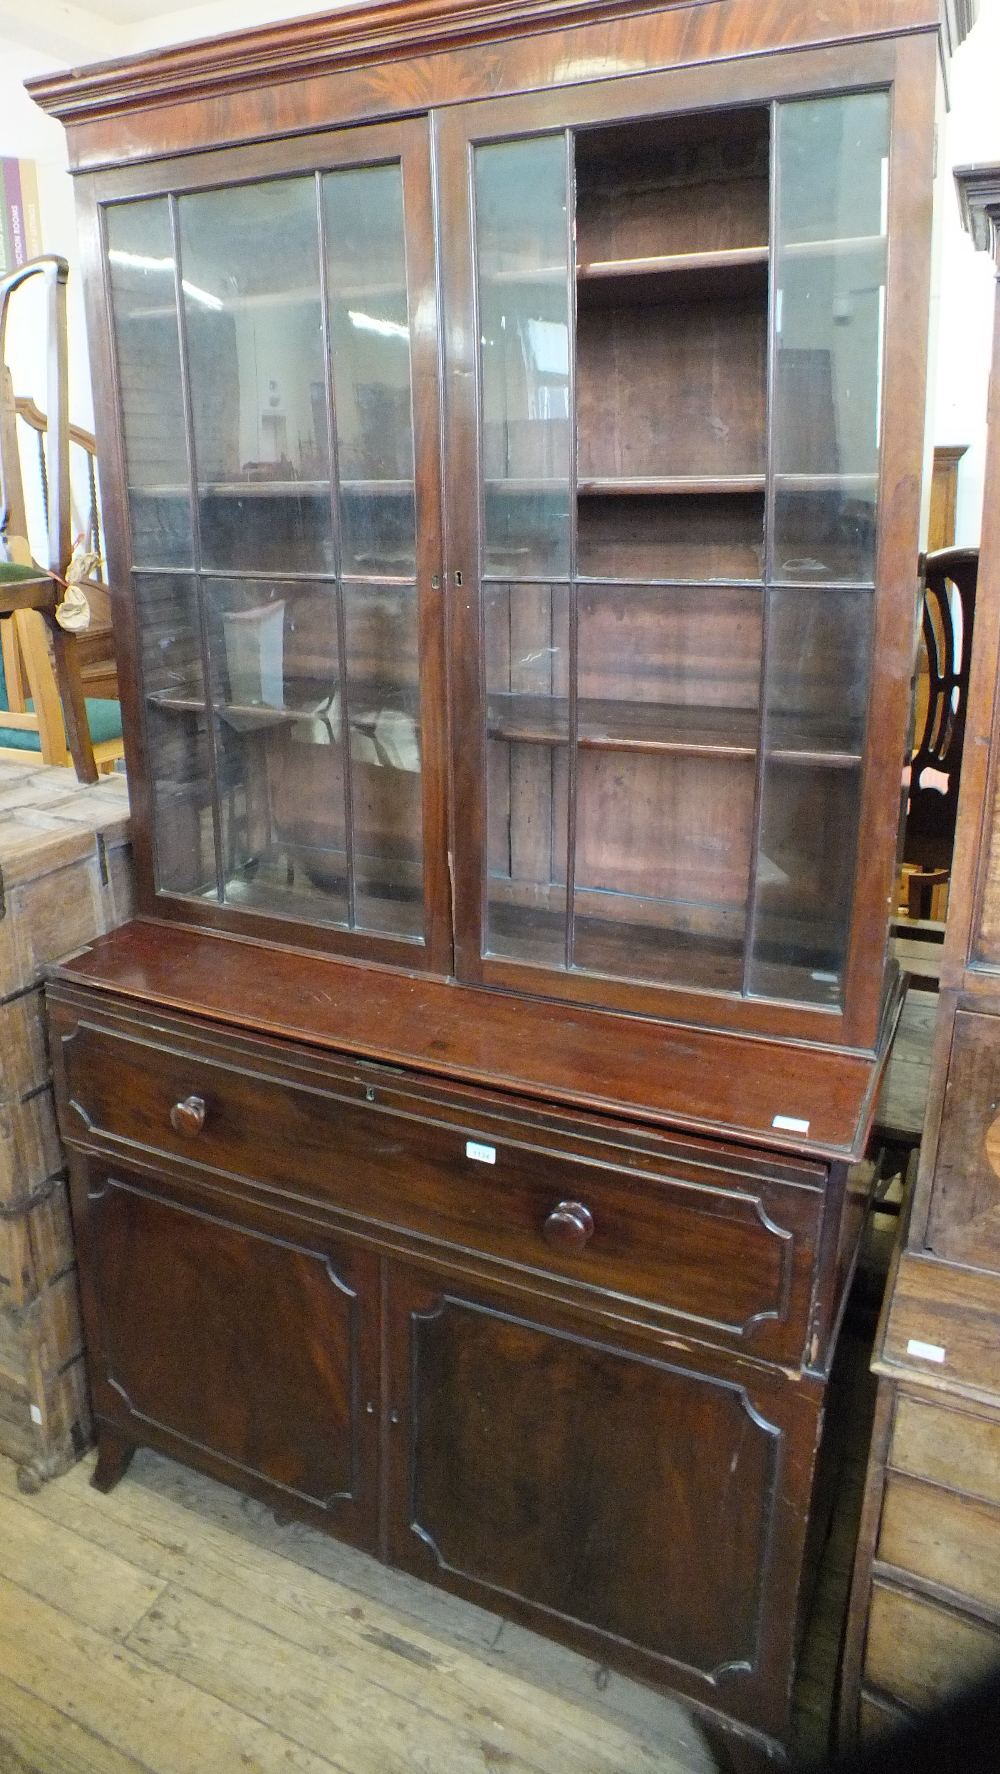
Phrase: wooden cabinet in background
(924,1619)
(944,496)
(512,420)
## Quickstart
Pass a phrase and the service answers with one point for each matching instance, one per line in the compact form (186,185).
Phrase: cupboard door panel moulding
(231,1322)
(464,1411)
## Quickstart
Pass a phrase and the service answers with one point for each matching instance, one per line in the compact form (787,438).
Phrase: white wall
(212,18)
(963,310)
(27,134)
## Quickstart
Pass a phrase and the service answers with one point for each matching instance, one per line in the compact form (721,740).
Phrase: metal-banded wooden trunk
(65,876)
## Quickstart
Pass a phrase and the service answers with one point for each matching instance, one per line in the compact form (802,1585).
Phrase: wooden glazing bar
(334,483)
(199,584)
(758,793)
(573,613)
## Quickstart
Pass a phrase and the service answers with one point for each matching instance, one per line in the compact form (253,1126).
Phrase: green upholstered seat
(13,573)
(104,718)
(104,714)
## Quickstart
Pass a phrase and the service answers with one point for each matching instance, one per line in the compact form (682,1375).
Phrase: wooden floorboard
(174,1627)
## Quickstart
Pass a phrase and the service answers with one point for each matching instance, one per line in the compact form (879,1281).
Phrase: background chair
(98,665)
(947,617)
(44,706)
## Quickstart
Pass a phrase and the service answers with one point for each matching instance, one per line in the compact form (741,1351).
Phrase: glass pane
(805,875)
(663,843)
(522,256)
(275,691)
(830,269)
(141,266)
(255,344)
(674,665)
(384,704)
(370,349)
(818,663)
(819,653)
(526,639)
(176,733)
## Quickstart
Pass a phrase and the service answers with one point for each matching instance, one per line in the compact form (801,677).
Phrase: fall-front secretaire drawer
(729,1249)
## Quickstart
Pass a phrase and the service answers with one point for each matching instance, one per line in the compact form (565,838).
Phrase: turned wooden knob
(188,1117)
(569,1226)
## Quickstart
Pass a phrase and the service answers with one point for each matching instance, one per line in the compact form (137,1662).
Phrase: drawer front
(733,1254)
(957,1448)
(920,1653)
(942,1538)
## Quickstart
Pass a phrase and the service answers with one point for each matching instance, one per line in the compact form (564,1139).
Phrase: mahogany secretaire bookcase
(512,421)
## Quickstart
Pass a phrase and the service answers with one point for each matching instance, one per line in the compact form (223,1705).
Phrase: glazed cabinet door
(273,341)
(635,1503)
(244,1345)
(675,401)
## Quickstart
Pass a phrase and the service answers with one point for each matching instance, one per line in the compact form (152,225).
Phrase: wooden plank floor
(176,1628)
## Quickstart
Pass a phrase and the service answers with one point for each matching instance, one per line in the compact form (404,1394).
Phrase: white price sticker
(925,1351)
(790,1124)
(482,1154)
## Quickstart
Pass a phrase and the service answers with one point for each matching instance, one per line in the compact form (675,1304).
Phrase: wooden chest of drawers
(926,1603)
(570,1367)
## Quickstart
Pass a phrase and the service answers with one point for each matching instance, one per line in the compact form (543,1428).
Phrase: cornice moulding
(979,198)
(318,44)
(381,32)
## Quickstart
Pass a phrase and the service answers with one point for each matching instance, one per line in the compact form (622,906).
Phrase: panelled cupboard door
(248,1348)
(680,405)
(612,1494)
(274,346)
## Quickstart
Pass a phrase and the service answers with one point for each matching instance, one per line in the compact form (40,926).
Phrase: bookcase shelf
(669,486)
(717,274)
(612,725)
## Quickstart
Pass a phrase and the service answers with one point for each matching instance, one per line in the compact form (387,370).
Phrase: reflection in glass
(275,682)
(370,350)
(141,270)
(384,709)
(818,666)
(253,319)
(805,877)
(176,733)
(830,270)
(522,256)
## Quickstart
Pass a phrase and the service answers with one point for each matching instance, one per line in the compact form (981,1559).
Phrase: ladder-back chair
(29,588)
